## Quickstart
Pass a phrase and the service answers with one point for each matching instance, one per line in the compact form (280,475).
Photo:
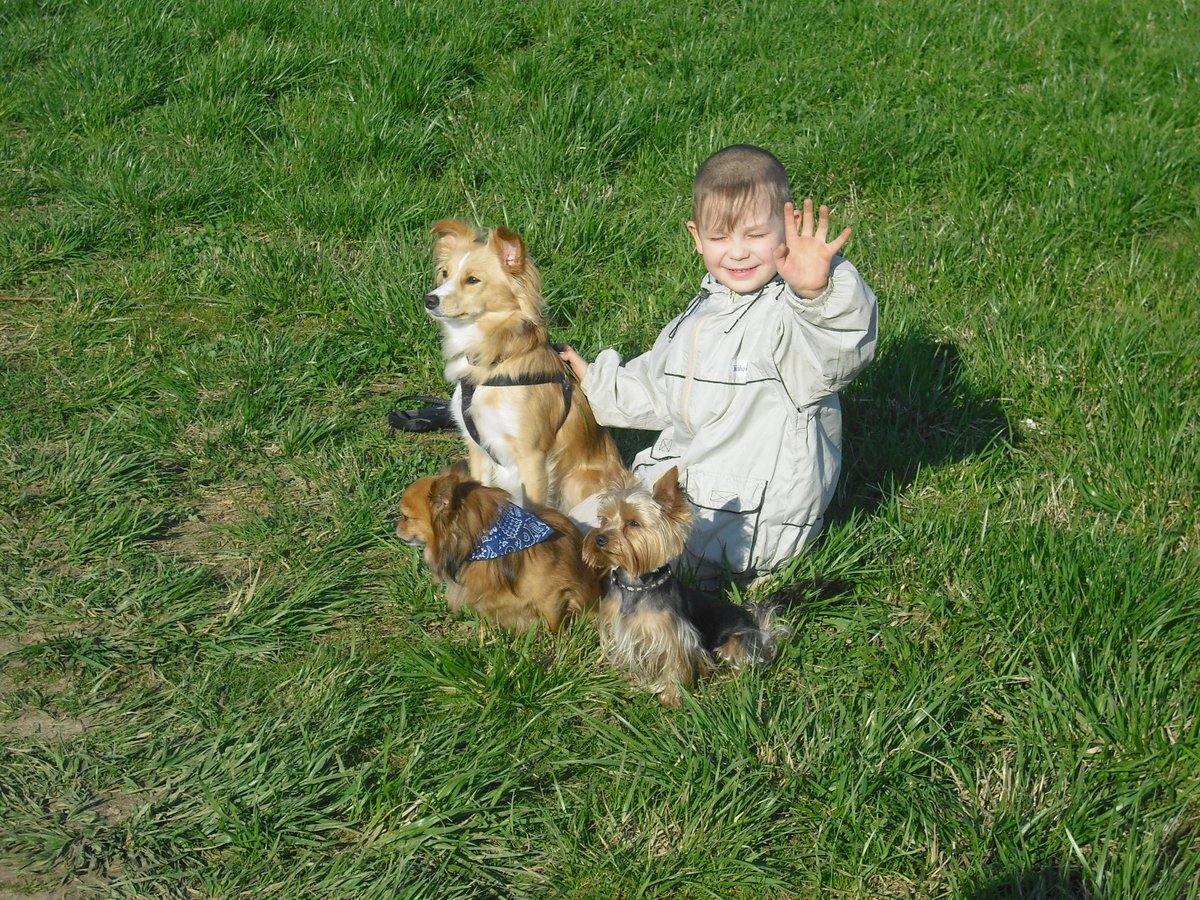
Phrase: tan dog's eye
(442,275)
(634,523)
(471,279)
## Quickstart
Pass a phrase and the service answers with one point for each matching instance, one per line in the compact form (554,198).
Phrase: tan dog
(529,429)
(512,566)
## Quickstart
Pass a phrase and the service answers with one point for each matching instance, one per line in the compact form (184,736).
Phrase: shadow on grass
(1043,885)
(910,410)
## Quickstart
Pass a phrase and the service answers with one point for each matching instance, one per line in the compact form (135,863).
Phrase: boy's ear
(694,231)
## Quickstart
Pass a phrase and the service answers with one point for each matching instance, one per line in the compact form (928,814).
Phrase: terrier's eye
(471,279)
(634,523)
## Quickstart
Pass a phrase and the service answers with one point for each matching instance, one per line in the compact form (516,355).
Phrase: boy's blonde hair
(731,183)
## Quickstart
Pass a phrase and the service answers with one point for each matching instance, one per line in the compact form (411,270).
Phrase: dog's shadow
(910,410)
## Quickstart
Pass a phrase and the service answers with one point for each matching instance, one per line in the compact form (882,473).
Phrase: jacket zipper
(691,372)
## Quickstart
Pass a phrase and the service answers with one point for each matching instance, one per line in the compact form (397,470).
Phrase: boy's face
(743,257)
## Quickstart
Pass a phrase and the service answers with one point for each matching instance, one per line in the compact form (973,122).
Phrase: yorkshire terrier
(660,632)
(514,567)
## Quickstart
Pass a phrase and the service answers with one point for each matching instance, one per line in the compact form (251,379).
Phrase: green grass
(221,674)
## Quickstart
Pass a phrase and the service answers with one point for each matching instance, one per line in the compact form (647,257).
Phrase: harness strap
(468,392)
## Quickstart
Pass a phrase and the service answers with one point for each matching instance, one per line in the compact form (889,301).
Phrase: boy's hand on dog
(578,364)
(803,260)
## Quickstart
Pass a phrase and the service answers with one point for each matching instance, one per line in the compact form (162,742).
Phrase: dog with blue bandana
(515,567)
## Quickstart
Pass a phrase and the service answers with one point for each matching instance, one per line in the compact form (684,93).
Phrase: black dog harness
(468,391)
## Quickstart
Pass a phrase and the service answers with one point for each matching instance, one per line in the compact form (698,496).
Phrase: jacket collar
(721,293)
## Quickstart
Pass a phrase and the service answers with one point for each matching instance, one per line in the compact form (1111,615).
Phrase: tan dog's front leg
(531,467)
(479,463)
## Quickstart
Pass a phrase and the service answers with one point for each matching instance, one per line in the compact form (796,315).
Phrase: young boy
(743,383)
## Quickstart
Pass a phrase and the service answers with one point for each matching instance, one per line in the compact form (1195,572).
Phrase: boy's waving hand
(803,260)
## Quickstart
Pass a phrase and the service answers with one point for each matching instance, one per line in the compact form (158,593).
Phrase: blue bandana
(514,531)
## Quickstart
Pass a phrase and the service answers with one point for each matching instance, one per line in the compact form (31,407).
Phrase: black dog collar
(647,582)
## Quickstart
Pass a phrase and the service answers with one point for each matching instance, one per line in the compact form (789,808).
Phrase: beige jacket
(744,391)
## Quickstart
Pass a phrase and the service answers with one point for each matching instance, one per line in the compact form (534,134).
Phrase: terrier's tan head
(640,529)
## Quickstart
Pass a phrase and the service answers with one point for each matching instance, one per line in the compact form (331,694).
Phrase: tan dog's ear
(449,234)
(510,248)
(441,496)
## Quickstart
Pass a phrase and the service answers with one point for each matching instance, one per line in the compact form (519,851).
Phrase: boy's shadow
(909,410)
(1052,884)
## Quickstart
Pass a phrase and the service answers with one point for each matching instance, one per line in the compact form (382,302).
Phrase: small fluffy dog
(528,428)
(513,567)
(661,633)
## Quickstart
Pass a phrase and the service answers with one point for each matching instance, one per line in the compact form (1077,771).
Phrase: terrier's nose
(431,301)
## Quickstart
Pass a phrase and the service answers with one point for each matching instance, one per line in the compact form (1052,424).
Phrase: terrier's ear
(666,490)
(510,248)
(449,233)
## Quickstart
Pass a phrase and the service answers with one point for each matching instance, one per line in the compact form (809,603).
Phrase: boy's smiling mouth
(740,272)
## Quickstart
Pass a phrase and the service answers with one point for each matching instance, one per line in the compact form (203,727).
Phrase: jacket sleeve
(627,395)
(828,340)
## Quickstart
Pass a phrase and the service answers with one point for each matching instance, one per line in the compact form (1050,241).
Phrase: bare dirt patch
(201,535)
(40,723)
(15,886)
(43,726)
